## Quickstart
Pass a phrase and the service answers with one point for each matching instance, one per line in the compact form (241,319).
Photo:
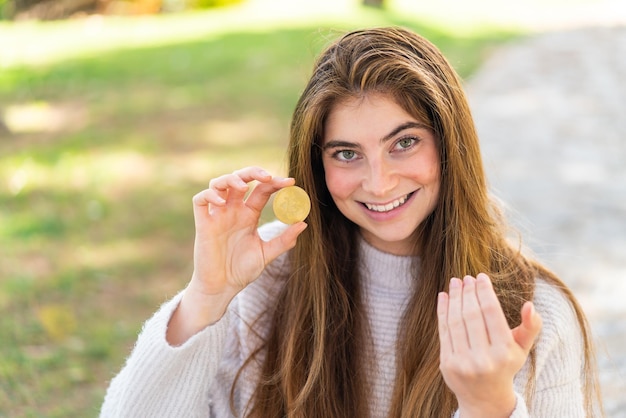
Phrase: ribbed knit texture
(195,379)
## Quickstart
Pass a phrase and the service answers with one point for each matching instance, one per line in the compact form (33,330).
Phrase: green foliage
(6,9)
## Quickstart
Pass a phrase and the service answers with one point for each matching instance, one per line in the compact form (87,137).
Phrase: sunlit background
(113,114)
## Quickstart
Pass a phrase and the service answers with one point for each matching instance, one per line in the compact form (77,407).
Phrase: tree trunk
(49,9)
(379,4)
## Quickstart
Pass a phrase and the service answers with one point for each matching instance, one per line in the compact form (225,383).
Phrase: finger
(497,326)
(442,320)
(229,185)
(458,333)
(473,315)
(285,241)
(202,200)
(526,333)
(239,179)
(247,175)
(207,197)
(261,194)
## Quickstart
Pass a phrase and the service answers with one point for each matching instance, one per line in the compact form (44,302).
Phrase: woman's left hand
(480,354)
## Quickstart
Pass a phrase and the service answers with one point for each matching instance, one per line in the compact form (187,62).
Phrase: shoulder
(556,310)
(552,299)
(559,347)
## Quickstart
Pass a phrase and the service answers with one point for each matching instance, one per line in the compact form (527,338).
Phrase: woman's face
(382,169)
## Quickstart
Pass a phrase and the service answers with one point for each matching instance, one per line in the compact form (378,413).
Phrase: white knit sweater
(195,379)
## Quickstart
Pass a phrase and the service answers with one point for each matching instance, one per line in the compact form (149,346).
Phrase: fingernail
(468,280)
(455,283)
(264,173)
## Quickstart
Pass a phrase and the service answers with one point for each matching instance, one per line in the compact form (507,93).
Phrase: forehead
(366,115)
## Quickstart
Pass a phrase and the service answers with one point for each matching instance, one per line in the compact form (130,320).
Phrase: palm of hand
(480,355)
(227,243)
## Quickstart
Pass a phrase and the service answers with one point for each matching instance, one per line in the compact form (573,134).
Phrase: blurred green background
(113,115)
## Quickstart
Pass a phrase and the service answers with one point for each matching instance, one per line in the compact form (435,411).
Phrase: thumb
(526,333)
(283,242)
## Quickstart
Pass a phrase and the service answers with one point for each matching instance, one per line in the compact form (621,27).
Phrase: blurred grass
(110,144)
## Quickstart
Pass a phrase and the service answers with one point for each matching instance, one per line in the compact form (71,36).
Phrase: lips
(388,206)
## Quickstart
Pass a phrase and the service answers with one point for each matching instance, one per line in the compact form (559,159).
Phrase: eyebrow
(394,132)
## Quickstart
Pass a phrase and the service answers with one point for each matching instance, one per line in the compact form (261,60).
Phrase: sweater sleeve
(559,360)
(165,381)
(520,410)
(194,379)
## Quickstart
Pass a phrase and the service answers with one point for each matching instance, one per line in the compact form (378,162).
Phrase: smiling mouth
(389,206)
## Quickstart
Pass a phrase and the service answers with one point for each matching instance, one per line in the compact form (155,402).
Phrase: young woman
(399,297)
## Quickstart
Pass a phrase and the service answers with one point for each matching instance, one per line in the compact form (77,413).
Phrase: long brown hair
(310,363)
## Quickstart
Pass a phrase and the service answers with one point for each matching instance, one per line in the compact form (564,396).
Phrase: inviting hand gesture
(480,354)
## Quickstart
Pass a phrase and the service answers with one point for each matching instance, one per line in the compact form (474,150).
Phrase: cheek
(339,183)
(434,176)
(422,169)
(431,168)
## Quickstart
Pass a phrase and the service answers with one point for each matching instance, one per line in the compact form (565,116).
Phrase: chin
(400,243)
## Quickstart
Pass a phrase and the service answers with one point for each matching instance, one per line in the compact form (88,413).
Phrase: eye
(406,143)
(345,155)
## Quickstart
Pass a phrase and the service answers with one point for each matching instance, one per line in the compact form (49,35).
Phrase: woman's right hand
(228,252)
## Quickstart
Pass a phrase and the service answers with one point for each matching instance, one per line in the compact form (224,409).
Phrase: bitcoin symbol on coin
(291,205)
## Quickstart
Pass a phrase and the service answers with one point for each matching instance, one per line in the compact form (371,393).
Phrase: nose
(379,178)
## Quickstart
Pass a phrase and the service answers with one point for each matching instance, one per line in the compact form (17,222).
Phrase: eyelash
(336,155)
(414,140)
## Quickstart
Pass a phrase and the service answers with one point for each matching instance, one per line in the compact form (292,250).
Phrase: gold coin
(291,205)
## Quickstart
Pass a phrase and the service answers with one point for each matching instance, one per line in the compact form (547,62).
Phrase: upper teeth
(389,206)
